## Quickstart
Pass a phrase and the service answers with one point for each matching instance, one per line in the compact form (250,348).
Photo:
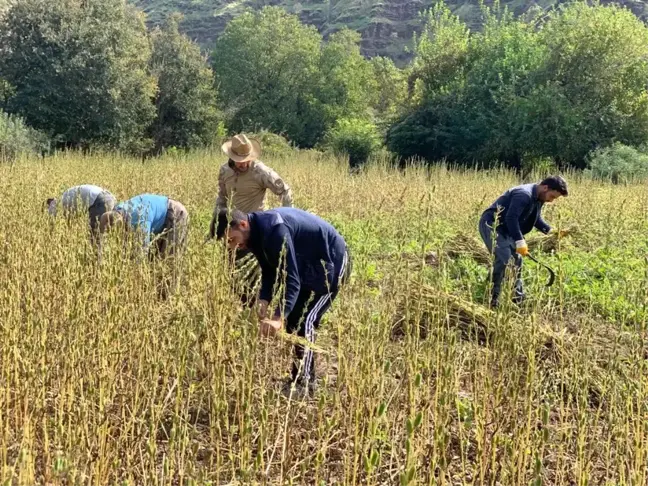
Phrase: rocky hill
(387,26)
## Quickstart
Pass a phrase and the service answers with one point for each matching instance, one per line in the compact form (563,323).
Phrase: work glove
(521,248)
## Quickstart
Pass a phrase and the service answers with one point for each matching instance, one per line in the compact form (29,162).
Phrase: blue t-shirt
(146,213)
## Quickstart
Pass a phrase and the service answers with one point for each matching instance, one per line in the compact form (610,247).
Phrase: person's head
(239,166)
(110,221)
(242,151)
(234,226)
(50,206)
(552,188)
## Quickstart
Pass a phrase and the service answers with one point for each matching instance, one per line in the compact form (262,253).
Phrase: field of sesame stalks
(103,383)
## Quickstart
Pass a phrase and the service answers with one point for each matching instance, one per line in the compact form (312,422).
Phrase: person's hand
(262,309)
(269,327)
(521,248)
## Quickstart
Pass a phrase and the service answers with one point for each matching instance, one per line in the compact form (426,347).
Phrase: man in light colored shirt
(244,180)
(86,198)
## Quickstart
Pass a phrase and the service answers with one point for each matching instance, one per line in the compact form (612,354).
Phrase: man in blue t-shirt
(155,218)
(314,259)
(503,226)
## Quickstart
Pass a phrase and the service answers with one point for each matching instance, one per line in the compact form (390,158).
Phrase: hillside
(387,26)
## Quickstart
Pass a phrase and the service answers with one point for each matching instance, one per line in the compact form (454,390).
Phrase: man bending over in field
(152,215)
(93,200)
(516,211)
(314,258)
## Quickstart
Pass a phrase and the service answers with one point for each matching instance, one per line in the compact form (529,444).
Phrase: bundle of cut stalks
(548,243)
(431,307)
(468,246)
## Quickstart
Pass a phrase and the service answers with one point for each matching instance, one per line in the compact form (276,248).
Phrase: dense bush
(272,144)
(618,163)
(514,91)
(353,138)
(16,138)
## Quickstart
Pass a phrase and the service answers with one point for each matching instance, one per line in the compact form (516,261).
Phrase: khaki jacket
(248,189)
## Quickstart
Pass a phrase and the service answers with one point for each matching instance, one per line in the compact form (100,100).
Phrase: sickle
(552,274)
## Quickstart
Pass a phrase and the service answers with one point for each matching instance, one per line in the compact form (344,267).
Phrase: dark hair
(48,202)
(227,218)
(556,183)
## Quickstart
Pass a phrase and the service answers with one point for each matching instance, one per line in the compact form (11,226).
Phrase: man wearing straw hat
(503,226)
(243,180)
(242,184)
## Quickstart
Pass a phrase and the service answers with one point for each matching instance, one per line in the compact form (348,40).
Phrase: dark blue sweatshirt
(314,252)
(519,211)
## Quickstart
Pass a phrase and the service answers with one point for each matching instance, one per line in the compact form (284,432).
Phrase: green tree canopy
(592,88)
(391,83)
(516,91)
(277,74)
(186,108)
(266,65)
(79,69)
(348,87)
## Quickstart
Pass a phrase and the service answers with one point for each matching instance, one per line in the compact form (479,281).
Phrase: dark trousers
(173,239)
(503,251)
(305,319)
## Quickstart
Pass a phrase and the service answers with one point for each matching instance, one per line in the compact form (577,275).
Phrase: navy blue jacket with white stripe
(314,252)
(519,211)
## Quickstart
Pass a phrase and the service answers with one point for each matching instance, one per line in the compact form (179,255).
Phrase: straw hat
(241,149)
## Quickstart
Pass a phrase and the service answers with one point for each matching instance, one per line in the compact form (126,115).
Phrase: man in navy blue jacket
(514,214)
(311,254)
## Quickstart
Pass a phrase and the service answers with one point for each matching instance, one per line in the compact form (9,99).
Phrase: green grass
(102,383)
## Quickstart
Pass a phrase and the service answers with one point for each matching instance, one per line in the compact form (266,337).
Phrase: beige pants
(174,232)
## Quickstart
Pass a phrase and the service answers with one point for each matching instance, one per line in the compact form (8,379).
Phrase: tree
(391,95)
(470,109)
(186,110)
(79,69)
(348,87)
(516,91)
(441,52)
(592,89)
(266,65)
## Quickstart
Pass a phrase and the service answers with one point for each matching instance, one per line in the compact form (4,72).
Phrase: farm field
(103,383)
